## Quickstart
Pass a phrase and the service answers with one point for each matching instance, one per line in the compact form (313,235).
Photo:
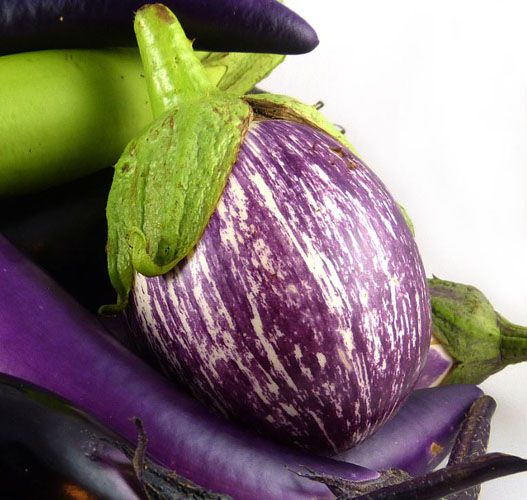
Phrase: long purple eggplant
(422,433)
(48,339)
(219,25)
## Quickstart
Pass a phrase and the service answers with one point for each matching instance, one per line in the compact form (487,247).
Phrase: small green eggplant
(472,341)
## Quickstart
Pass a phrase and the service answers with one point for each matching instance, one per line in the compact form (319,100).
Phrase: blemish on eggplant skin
(74,491)
(338,151)
(352,163)
(435,449)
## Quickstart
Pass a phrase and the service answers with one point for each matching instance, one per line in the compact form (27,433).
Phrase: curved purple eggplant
(219,25)
(421,435)
(48,339)
(472,440)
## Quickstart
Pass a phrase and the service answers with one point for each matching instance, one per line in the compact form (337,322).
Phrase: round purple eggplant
(303,311)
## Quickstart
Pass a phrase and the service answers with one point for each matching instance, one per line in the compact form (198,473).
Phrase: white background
(433,95)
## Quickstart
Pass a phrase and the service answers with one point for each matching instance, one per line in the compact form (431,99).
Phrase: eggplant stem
(173,71)
(513,348)
(437,484)
(138,460)
(338,485)
(473,436)
(158,482)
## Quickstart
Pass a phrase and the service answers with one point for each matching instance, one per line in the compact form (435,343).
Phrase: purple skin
(472,441)
(219,25)
(437,367)
(303,311)
(48,339)
(59,444)
(421,435)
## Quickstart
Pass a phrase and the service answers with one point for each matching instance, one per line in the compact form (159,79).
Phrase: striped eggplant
(303,311)
(46,227)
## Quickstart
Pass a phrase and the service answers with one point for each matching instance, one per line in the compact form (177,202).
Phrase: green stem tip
(480,340)
(172,69)
(513,341)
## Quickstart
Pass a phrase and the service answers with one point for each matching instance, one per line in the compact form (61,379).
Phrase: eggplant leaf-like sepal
(238,72)
(282,107)
(167,184)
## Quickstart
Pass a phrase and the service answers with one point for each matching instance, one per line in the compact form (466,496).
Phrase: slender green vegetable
(64,114)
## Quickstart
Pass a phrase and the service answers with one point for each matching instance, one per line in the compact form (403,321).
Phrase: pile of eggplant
(238,308)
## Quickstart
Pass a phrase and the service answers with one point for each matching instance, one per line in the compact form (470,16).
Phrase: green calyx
(169,179)
(479,339)
(281,107)
(238,72)
(167,184)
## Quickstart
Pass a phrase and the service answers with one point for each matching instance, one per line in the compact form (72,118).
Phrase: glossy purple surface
(220,25)
(48,339)
(304,310)
(438,365)
(421,435)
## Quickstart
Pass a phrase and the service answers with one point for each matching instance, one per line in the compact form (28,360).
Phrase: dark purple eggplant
(52,449)
(472,440)
(432,486)
(218,25)
(63,229)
